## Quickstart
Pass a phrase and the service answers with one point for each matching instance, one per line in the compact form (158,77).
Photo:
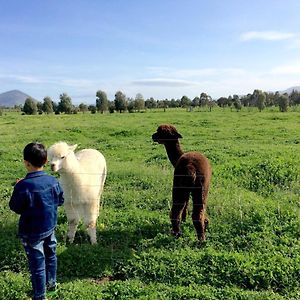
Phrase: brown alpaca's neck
(174,151)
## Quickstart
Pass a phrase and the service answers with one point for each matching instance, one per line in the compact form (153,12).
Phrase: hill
(289,90)
(12,98)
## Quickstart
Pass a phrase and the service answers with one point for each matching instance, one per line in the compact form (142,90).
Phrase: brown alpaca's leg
(204,197)
(184,212)
(180,199)
(199,219)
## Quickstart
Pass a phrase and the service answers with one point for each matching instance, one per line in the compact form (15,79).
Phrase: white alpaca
(82,176)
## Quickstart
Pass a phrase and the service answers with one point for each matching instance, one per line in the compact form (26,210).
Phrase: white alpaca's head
(57,155)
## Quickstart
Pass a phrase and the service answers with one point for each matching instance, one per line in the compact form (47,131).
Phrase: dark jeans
(42,261)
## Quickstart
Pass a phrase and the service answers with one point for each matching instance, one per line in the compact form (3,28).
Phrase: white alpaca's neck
(71,167)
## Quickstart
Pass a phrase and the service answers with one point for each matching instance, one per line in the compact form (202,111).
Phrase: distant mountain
(289,90)
(12,98)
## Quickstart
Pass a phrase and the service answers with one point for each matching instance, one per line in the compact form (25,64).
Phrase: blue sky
(159,48)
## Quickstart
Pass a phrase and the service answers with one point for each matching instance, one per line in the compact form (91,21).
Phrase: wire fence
(134,217)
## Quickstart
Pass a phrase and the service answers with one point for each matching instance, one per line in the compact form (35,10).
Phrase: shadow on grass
(81,260)
(12,254)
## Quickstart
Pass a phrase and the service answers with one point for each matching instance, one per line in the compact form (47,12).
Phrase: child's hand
(17,180)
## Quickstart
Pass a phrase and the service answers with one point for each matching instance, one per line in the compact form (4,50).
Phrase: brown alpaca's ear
(178,135)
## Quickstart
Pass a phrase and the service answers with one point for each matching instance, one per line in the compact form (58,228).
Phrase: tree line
(121,103)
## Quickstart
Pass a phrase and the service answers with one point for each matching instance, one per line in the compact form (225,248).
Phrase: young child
(36,198)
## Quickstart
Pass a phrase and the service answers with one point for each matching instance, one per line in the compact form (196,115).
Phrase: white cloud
(78,83)
(170,72)
(286,70)
(295,43)
(164,72)
(61,81)
(163,82)
(216,82)
(20,78)
(267,35)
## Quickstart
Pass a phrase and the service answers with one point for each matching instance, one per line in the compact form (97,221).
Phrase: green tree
(204,99)
(75,110)
(83,107)
(269,99)
(30,107)
(120,102)
(222,102)
(39,107)
(276,98)
(101,101)
(237,103)
(150,103)
(163,104)
(196,102)
(48,105)
(18,107)
(130,105)
(246,100)
(111,107)
(65,104)
(230,102)
(139,102)
(211,104)
(283,102)
(174,103)
(259,99)
(185,101)
(55,107)
(294,97)
(92,109)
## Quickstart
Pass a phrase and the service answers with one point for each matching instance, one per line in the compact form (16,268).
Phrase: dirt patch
(103,280)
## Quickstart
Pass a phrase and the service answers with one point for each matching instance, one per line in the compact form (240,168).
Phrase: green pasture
(253,242)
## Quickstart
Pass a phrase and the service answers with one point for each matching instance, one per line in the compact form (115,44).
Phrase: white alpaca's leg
(91,213)
(73,220)
(91,230)
(72,227)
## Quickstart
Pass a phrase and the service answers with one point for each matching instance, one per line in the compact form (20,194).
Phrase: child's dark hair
(36,154)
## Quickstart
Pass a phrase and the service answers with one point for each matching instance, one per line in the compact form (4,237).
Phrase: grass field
(253,245)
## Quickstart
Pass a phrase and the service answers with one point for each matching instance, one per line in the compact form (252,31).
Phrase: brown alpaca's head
(166,133)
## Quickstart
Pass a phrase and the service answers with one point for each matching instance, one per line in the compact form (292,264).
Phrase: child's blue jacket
(36,198)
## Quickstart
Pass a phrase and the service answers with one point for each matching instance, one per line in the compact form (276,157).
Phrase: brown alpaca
(192,175)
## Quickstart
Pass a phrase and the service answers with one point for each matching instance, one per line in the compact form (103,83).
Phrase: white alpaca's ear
(73,147)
